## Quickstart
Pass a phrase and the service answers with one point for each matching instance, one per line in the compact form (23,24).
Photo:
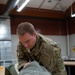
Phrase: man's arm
(20,55)
(59,68)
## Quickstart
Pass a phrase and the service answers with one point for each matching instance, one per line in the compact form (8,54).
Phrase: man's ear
(34,33)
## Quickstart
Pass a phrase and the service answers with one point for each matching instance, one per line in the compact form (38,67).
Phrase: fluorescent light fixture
(73,15)
(23,5)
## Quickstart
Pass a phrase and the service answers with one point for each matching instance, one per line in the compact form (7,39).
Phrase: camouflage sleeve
(59,68)
(20,56)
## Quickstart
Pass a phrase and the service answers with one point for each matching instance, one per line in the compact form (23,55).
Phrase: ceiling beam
(8,7)
(39,13)
(41,4)
(1,8)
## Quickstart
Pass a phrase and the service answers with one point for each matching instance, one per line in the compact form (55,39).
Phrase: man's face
(28,40)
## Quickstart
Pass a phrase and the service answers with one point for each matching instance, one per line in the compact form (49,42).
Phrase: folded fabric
(34,69)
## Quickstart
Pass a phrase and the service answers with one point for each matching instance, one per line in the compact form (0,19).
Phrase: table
(72,63)
(68,64)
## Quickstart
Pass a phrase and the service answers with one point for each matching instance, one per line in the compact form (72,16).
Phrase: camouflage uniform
(46,52)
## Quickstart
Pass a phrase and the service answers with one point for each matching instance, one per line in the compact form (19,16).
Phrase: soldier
(34,46)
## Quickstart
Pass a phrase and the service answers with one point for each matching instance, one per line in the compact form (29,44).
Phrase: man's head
(26,34)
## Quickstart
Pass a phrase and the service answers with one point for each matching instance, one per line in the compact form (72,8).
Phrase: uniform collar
(36,49)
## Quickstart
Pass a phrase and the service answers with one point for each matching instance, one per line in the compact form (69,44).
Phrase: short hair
(24,28)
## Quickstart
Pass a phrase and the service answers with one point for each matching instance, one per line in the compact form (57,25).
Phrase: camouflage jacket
(46,52)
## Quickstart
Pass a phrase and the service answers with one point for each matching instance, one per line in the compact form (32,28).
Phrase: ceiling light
(72,15)
(23,5)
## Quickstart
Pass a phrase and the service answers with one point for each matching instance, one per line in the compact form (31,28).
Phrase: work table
(70,63)
(70,66)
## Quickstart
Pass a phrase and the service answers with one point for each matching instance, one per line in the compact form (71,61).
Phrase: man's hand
(26,64)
